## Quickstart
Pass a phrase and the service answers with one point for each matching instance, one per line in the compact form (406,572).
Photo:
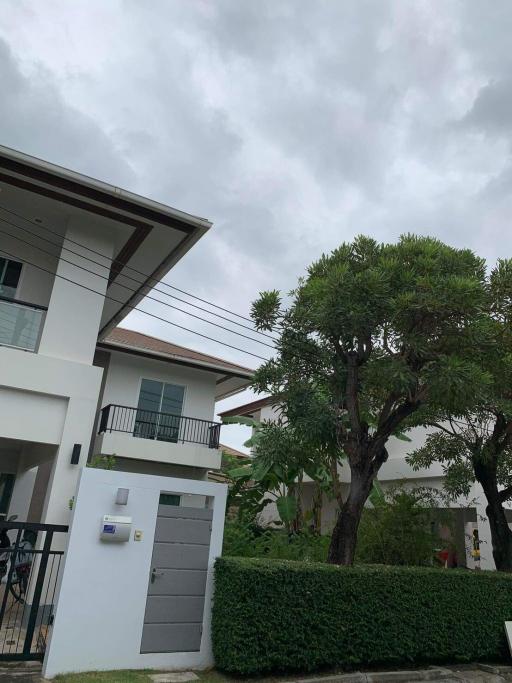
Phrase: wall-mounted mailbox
(115,529)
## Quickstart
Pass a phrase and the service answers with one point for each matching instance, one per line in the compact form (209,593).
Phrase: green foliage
(474,441)
(401,529)
(281,458)
(287,616)
(103,462)
(287,508)
(244,539)
(373,334)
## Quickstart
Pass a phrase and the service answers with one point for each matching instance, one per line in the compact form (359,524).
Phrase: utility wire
(106,277)
(133,308)
(148,278)
(459,422)
(128,277)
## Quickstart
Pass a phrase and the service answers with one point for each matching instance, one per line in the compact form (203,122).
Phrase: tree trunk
(317,509)
(501,535)
(344,536)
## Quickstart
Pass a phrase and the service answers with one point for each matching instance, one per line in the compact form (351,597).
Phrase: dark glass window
(169,499)
(10,272)
(159,411)
(6,487)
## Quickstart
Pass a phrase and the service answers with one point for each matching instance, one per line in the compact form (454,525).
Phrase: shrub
(402,529)
(243,539)
(102,462)
(275,615)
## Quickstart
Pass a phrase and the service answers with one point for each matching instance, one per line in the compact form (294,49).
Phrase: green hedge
(279,615)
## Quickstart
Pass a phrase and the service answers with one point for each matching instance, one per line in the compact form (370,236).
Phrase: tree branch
(386,408)
(351,397)
(505,494)
(390,424)
(438,425)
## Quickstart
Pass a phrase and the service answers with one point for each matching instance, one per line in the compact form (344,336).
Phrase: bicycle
(20,558)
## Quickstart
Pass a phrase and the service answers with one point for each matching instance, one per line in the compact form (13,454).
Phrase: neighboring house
(469,513)
(234,455)
(76,256)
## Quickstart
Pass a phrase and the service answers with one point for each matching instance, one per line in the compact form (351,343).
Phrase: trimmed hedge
(279,615)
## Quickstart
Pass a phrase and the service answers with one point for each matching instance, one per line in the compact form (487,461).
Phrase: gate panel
(175,601)
(29,570)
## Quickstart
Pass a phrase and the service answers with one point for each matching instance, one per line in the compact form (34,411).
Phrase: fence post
(41,573)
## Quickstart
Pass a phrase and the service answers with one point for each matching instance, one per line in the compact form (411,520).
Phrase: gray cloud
(292,125)
(492,109)
(35,118)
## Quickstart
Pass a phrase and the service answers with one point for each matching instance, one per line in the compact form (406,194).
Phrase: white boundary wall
(102,598)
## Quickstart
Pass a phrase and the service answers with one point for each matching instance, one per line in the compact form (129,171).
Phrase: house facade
(468,513)
(76,256)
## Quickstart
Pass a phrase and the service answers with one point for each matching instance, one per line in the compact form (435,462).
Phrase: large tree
(475,444)
(375,331)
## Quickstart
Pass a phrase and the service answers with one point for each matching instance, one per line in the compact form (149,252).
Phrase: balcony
(161,437)
(21,324)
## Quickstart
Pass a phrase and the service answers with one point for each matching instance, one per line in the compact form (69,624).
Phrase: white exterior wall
(268,414)
(49,398)
(104,630)
(49,401)
(126,371)
(35,285)
(74,313)
(31,415)
(396,471)
(22,493)
(122,387)
(188,454)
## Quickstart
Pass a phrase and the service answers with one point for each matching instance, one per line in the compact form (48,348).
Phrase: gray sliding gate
(177,581)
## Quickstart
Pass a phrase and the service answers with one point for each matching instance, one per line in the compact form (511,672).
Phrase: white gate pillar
(104,585)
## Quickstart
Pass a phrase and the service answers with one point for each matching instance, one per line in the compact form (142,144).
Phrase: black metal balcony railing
(149,424)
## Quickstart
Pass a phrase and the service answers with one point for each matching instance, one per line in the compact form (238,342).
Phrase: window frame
(156,378)
(6,495)
(20,278)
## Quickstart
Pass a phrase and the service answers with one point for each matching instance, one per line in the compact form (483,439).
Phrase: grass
(125,676)
(135,677)
(106,677)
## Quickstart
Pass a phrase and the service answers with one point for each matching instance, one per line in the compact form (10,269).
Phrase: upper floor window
(159,410)
(10,272)
(6,487)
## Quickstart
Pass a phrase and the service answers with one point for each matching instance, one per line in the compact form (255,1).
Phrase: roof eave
(112,190)
(202,365)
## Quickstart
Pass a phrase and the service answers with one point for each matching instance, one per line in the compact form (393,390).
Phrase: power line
(147,277)
(128,277)
(133,308)
(102,265)
(105,277)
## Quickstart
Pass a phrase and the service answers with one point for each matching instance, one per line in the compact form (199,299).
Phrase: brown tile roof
(130,338)
(248,408)
(233,451)
(221,477)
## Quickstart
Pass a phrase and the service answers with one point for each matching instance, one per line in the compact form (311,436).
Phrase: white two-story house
(76,256)
(468,513)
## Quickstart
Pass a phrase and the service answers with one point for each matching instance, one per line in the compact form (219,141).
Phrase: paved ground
(16,673)
(23,673)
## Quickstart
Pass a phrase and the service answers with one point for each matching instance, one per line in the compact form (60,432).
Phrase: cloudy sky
(292,125)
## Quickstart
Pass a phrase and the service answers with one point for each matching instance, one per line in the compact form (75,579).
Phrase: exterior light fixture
(122,496)
(75,454)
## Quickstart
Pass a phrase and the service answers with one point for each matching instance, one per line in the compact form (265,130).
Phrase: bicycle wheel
(18,590)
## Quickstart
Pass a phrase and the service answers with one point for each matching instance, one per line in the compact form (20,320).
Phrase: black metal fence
(29,572)
(149,424)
